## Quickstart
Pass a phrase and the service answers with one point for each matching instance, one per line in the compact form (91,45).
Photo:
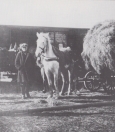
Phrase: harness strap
(41,48)
(51,58)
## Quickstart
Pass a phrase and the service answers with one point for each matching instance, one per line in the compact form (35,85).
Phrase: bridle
(41,47)
(45,57)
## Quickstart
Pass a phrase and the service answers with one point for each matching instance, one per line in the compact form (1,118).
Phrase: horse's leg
(44,81)
(75,80)
(77,90)
(74,84)
(70,77)
(63,75)
(63,84)
(56,85)
(70,82)
(50,83)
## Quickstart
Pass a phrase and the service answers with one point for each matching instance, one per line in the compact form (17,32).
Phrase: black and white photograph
(57,66)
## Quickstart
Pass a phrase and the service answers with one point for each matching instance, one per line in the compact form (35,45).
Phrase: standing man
(24,65)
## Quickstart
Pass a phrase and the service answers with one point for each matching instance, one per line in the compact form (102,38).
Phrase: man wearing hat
(23,64)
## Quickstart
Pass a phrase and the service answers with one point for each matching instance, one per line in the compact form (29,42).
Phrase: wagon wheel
(109,86)
(92,81)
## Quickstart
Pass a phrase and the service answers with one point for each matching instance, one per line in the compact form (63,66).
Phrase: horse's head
(42,42)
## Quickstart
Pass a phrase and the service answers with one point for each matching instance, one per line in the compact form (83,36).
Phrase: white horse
(54,61)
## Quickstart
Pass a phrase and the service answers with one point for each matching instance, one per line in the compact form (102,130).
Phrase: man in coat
(24,65)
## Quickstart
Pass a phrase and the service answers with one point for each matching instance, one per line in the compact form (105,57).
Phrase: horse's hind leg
(70,77)
(56,85)
(63,75)
(70,82)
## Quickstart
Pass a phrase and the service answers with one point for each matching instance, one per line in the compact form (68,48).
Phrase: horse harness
(48,58)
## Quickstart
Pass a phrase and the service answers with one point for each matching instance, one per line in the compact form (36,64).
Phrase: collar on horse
(50,58)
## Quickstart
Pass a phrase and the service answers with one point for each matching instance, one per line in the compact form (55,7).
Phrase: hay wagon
(99,53)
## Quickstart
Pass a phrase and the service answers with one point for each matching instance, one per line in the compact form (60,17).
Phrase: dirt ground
(91,119)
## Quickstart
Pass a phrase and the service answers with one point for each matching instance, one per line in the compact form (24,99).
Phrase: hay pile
(99,47)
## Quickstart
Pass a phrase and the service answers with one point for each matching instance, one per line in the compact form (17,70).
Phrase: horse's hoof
(56,97)
(61,93)
(53,91)
(69,93)
(49,96)
(78,92)
(44,91)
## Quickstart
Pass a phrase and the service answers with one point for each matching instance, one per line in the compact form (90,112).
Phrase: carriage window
(60,38)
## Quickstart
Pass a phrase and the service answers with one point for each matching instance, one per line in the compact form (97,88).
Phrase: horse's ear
(37,34)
